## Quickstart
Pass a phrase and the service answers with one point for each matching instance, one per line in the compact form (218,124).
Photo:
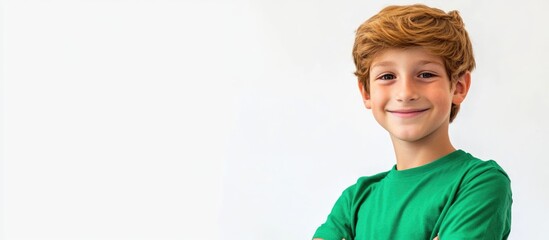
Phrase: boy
(413,66)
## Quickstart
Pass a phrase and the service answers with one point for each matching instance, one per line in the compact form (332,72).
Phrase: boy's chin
(409,136)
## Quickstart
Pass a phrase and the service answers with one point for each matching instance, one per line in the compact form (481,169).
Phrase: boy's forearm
(436,238)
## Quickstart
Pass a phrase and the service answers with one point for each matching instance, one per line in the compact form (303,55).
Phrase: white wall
(234,119)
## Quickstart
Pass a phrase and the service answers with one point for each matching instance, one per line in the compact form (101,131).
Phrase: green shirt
(456,197)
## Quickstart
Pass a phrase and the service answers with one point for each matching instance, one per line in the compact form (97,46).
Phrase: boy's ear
(365,95)
(462,88)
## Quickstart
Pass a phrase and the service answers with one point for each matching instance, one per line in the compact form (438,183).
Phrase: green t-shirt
(456,197)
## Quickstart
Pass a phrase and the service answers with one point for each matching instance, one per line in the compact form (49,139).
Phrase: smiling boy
(413,65)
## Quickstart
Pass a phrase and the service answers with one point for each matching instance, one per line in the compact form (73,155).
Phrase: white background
(234,119)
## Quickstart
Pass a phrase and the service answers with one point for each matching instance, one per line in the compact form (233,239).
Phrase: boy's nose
(406,90)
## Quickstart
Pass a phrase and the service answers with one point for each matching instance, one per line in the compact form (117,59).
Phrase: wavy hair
(442,34)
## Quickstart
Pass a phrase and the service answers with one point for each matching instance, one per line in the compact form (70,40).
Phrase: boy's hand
(436,238)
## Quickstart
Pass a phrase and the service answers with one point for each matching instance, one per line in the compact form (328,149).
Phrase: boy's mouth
(407,112)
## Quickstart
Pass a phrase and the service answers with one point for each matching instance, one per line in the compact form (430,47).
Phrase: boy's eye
(386,77)
(426,75)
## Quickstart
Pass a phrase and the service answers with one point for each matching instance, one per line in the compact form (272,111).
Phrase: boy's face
(410,93)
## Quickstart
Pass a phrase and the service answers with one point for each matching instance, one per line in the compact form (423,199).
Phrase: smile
(407,113)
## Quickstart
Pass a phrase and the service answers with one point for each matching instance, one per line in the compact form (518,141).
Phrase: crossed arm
(436,238)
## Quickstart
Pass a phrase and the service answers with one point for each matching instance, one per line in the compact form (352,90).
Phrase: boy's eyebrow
(425,62)
(383,64)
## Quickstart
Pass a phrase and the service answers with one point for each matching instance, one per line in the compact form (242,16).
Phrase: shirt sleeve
(338,224)
(481,209)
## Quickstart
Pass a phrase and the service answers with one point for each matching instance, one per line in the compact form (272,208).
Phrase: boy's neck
(421,152)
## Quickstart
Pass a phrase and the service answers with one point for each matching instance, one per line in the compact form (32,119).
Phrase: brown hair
(443,34)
